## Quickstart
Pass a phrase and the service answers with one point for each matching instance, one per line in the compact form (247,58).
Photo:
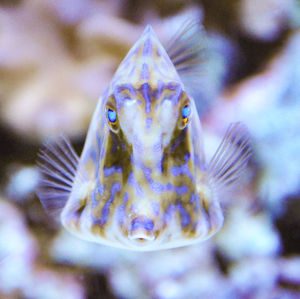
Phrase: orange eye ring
(112,118)
(185,113)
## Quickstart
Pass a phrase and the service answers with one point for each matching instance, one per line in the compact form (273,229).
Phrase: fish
(142,182)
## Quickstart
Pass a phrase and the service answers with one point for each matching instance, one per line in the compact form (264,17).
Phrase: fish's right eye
(185,114)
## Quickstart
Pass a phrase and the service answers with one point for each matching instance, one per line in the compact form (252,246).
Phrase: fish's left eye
(185,113)
(111,115)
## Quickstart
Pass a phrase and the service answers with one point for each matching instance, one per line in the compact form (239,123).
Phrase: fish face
(141,182)
(147,121)
(149,190)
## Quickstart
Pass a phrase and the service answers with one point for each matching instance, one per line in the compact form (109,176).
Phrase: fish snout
(141,230)
(148,149)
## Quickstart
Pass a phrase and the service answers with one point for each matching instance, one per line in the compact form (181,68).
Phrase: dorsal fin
(232,155)
(186,50)
(57,163)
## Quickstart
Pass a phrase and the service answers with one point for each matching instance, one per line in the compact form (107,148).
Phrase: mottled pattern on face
(146,62)
(147,187)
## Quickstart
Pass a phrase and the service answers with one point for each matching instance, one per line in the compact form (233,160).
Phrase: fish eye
(185,113)
(111,115)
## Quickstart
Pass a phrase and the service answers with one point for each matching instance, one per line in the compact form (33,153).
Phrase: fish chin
(139,232)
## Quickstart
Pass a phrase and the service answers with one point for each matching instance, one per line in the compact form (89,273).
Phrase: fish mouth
(141,237)
(141,232)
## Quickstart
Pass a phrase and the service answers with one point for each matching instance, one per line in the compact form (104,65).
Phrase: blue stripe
(105,211)
(148,123)
(145,72)
(145,223)
(147,51)
(168,214)
(122,209)
(146,94)
(181,170)
(107,171)
(185,217)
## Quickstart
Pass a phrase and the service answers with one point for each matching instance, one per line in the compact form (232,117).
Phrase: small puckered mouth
(141,231)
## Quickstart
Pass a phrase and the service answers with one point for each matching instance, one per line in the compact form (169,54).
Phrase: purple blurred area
(57,57)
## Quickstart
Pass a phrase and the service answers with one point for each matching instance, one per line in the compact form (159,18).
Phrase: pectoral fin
(232,155)
(57,163)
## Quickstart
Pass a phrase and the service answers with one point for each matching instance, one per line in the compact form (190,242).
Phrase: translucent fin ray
(44,169)
(57,163)
(187,52)
(232,155)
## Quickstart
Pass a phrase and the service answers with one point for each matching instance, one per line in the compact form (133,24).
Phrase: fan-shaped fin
(57,163)
(187,52)
(232,155)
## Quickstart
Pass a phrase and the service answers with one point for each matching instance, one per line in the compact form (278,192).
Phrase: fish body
(142,182)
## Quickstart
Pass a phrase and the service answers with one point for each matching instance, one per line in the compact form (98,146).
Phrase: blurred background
(56,58)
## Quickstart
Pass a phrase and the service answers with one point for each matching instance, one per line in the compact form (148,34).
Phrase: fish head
(141,182)
(150,108)
(152,134)
(149,183)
